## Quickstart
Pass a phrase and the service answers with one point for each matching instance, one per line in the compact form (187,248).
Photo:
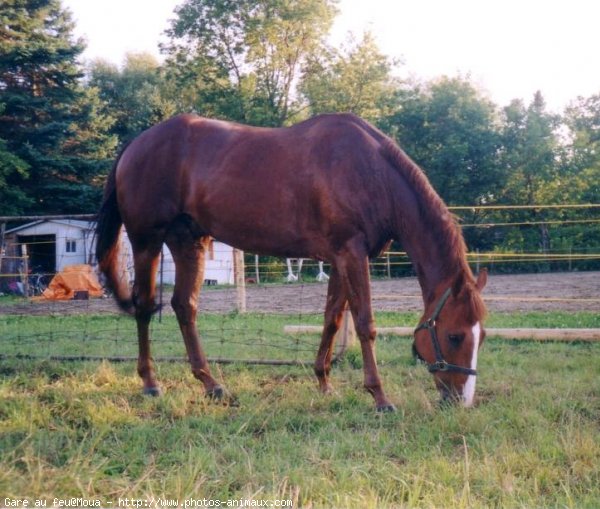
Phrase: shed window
(71,246)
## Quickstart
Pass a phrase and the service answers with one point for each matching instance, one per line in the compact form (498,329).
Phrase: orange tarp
(73,278)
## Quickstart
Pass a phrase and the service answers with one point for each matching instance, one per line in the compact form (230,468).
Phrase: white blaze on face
(469,388)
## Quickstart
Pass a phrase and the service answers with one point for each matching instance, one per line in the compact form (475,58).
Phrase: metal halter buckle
(438,366)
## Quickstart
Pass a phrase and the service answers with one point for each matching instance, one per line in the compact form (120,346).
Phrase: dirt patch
(571,291)
(563,291)
(568,291)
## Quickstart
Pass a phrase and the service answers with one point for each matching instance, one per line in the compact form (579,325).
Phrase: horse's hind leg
(145,263)
(189,256)
(334,309)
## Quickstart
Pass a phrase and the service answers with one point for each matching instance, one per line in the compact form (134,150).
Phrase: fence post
(239,279)
(256,269)
(2,230)
(345,337)
(25,275)
(161,283)
(388,265)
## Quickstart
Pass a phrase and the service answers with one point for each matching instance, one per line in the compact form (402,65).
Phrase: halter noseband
(440,364)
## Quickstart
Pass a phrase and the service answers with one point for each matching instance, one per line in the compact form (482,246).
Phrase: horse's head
(449,336)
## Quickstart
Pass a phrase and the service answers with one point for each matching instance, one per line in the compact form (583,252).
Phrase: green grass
(83,429)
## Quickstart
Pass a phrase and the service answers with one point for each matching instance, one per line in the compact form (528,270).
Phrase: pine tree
(47,111)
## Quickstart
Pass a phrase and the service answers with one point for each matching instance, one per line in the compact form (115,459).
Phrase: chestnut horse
(332,188)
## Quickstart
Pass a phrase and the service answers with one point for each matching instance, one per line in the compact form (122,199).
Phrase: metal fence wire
(276,294)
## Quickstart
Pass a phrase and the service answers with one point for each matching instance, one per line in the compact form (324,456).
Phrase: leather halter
(440,364)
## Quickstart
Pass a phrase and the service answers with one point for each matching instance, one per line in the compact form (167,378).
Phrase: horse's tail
(108,243)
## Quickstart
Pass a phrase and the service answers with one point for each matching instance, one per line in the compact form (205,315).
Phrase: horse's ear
(458,284)
(481,279)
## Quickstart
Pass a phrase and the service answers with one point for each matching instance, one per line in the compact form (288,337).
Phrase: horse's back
(253,187)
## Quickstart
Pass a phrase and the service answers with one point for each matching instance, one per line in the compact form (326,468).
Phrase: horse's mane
(440,220)
(443,224)
(432,209)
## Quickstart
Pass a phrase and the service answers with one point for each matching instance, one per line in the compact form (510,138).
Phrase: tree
(12,168)
(580,169)
(133,95)
(583,160)
(46,110)
(240,60)
(357,80)
(530,156)
(531,144)
(450,130)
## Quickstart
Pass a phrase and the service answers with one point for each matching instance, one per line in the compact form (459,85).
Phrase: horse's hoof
(152,391)
(326,389)
(217,393)
(221,395)
(386,409)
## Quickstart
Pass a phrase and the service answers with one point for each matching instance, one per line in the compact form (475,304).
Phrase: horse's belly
(256,238)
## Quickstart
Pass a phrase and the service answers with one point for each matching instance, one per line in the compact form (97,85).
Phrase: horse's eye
(456,339)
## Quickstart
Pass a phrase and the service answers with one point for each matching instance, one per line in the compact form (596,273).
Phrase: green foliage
(530,143)
(581,163)
(48,123)
(474,153)
(356,80)
(11,168)
(240,60)
(583,120)
(450,129)
(134,95)
(543,166)
(268,63)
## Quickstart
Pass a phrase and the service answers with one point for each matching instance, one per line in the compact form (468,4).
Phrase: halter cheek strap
(430,324)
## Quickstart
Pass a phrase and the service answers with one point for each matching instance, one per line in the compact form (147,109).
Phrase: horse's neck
(436,263)
(423,224)
(428,263)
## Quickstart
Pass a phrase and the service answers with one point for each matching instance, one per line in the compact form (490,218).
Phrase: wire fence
(93,329)
(278,293)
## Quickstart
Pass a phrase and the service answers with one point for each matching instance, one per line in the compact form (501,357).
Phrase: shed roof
(76,223)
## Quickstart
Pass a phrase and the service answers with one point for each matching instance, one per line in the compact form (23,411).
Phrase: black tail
(108,245)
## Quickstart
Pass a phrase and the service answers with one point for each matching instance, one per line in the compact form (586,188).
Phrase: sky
(509,48)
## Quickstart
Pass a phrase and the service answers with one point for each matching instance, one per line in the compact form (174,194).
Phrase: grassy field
(83,429)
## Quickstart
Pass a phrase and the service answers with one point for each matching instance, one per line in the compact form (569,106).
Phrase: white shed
(218,265)
(55,244)
(52,244)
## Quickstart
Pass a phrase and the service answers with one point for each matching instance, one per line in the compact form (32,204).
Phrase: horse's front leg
(356,281)
(334,309)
